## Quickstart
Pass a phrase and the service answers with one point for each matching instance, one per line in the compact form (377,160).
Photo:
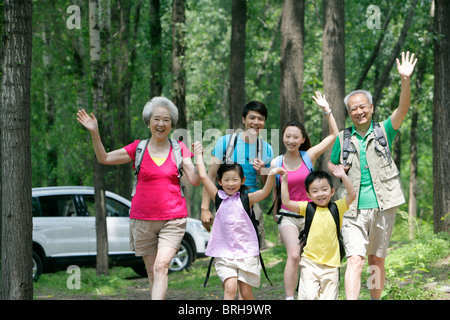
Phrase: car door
(118,225)
(58,226)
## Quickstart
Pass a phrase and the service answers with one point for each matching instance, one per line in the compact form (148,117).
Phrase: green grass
(411,266)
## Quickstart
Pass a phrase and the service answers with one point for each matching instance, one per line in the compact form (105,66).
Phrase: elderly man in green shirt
(368,223)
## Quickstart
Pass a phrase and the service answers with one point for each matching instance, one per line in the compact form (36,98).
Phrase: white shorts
(247,270)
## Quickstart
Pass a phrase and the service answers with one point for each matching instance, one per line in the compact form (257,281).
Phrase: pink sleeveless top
(158,194)
(296,182)
(232,235)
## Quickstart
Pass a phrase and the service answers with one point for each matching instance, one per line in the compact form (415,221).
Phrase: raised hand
(321,101)
(89,122)
(406,68)
(338,171)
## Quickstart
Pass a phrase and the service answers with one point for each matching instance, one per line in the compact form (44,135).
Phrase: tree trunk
(237,62)
(16,259)
(441,117)
(125,63)
(333,68)
(99,106)
(178,72)
(155,50)
(291,82)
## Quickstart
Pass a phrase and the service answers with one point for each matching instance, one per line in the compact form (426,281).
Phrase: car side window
(113,208)
(57,206)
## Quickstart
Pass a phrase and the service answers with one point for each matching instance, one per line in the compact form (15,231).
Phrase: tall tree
(441,117)
(178,63)
(292,43)
(99,76)
(333,66)
(155,49)
(237,62)
(16,239)
(125,67)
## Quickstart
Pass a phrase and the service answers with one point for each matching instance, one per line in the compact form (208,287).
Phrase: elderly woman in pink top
(290,223)
(158,210)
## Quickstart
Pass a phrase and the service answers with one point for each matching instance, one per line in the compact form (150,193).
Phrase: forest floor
(137,288)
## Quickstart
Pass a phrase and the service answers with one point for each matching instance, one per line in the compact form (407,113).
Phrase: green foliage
(62,150)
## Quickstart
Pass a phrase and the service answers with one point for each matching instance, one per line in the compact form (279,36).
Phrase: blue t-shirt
(243,153)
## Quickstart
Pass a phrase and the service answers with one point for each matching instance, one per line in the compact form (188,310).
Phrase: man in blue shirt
(254,116)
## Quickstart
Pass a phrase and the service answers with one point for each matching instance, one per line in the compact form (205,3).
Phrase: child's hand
(338,171)
(279,171)
(198,148)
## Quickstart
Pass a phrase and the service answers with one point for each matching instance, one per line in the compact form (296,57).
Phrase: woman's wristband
(327,112)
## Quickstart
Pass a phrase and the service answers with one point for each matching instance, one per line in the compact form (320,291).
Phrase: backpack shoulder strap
(307,160)
(259,148)
(335,213)
(230,148)
(346,145)
(246,203)
(140,151)
(380,137)
(179,162)
(309,216)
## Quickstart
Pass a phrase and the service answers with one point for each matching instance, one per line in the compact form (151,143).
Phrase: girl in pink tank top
(295,139)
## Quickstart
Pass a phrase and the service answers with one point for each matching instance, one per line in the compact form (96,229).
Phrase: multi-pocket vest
(383,171)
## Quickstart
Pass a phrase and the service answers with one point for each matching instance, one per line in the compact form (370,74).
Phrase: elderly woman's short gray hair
(160,102)
(366,93)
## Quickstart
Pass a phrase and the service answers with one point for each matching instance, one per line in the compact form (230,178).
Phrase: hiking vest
(383,171)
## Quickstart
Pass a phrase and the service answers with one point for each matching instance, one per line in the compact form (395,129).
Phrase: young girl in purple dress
(233,241)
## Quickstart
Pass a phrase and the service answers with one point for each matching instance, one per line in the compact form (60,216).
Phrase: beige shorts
(369,232)
(147,236)
(317,281)
(298,223)
(247,270)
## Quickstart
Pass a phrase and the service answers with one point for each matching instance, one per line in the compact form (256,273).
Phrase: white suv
(64,231)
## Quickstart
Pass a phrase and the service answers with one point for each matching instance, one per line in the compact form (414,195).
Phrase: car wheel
(37,267)
(183,257)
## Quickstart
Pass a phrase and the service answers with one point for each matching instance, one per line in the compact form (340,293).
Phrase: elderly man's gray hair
(366,93)
(160,102)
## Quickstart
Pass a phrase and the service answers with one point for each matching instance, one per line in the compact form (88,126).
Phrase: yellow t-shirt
(323,245)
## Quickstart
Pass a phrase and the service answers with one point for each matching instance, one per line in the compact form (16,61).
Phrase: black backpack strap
(346,150)
(379,136)
(246,203)
(335,213)
(208,272)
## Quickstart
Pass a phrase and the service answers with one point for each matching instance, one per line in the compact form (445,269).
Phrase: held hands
(406,68)
(321,101)
(198,149)
(279,170)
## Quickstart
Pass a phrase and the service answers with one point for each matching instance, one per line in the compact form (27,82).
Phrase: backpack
(279,163)
(140,149)
(379,136)
(246,204)
(232,145)
(309,216)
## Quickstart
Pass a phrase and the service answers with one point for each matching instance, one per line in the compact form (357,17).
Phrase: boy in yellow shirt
(320,262)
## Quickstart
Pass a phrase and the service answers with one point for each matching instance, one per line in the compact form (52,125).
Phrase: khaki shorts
(369,232)
(317,281)
(298,223)
(247,270)
(147,236)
